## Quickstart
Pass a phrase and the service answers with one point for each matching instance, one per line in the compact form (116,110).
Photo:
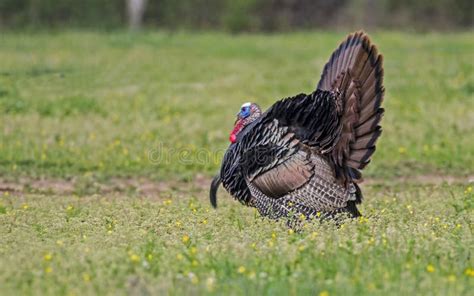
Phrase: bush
(244,15)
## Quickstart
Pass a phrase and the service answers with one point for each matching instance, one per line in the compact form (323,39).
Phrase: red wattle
(235,131)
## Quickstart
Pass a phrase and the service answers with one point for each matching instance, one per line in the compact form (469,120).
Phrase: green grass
(75,102)
(413,241)
(83,109)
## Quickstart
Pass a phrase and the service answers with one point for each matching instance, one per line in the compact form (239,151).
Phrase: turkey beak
(213,191)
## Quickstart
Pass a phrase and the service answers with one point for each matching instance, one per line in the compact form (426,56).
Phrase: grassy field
(76,103)
(412,241)
(80,110)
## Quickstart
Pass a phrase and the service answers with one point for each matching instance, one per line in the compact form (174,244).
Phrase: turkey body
(321,194)
(304,154)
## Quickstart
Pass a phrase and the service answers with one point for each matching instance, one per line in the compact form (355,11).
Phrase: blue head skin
(247,114)
(244,110)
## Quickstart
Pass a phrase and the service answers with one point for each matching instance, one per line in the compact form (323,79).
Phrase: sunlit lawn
(412,241)
(75,103)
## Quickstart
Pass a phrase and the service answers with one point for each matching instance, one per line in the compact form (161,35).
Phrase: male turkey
(303,155)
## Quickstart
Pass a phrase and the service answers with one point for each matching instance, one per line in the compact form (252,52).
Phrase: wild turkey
(304,154)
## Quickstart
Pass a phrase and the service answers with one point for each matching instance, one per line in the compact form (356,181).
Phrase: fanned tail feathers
(355,73)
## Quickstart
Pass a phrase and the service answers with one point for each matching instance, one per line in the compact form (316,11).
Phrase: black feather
(213,191)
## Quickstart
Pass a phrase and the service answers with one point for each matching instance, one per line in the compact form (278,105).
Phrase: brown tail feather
(367,140)
(355,72)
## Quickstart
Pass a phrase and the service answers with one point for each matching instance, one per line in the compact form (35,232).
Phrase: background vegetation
(244,15)
(161,105)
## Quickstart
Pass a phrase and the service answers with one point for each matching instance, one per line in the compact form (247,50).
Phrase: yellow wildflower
(179,257)
(48,257)
(430,268)
(48,269)
(402,150)
(324,293)
(469,272)
(371,241)
(291,231)
(134,258)
(241,269)
(185,238)
(86,277)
